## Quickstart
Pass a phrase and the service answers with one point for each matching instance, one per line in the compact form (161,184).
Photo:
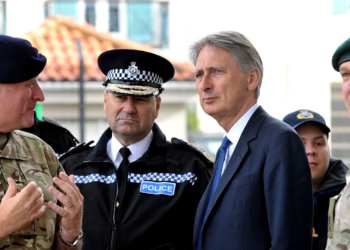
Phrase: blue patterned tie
(217,176)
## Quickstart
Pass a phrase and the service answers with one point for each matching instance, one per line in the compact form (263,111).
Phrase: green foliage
(192,119)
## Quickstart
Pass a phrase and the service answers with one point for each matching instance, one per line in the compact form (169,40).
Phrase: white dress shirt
(137,149)
(235,133)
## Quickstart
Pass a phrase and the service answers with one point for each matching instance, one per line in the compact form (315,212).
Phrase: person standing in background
(328,173)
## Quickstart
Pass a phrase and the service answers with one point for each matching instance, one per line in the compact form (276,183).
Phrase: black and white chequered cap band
(124,74)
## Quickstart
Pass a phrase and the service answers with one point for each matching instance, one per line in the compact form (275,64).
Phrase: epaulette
(79,147)
(184,143)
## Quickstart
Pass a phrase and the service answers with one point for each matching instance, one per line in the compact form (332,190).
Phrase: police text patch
(156,188)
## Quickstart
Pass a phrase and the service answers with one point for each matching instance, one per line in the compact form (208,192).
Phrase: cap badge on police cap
(133,70)
(304,114)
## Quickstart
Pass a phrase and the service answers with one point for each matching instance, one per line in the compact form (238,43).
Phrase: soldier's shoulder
(29,139)
(192,147)
(79,148)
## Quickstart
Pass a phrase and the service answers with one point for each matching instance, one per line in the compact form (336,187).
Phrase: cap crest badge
(304,114)
(133,70)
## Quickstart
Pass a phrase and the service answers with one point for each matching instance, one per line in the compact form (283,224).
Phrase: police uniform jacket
(142,220)
(333,182)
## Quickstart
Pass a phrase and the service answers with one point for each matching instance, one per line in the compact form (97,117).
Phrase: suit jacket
(264,198)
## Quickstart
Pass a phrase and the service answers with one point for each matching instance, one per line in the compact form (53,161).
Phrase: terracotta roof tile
(56,39)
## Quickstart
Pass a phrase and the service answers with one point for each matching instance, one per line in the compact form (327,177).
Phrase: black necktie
(123,172)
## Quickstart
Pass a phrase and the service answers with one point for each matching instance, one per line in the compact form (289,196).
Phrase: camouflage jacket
(27,158)
(341,237)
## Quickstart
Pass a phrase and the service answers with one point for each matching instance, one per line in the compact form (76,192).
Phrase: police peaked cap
(19,60)
(134,72)
(299,117)
(341,55)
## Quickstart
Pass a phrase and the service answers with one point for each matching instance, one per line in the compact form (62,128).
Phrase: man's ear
(158,102)
(105,100)
(253,79)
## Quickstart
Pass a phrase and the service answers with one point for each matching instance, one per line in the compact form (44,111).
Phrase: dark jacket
(54,134)
(140,220)
(264,198)
(333,182)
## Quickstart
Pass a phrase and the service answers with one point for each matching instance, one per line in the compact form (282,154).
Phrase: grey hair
(242,50)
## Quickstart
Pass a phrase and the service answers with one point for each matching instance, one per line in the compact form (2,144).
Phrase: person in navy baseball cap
(299,117)
(134,72)
(328,173)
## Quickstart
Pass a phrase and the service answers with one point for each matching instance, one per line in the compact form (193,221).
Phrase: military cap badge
(304,114)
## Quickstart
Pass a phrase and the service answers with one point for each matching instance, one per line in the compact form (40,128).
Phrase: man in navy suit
(260,196)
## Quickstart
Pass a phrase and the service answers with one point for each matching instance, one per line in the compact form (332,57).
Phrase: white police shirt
(137,149)
(235,133)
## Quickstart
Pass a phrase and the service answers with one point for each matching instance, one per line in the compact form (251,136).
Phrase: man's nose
(206,82)
(129,106)
(38,94)
(310,150)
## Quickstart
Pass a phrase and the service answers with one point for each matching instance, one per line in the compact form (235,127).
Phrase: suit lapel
(250,132)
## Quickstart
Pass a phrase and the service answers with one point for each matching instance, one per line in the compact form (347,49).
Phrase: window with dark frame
(113,17)
(90,13)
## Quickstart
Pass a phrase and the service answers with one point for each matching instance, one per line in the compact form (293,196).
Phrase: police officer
(338,228)
(141,191)
(53,133)
(328,173)
(40,206)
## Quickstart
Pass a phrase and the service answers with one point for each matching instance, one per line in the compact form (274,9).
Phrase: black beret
(299,117)
(342,54)
(134,72)
(19,60)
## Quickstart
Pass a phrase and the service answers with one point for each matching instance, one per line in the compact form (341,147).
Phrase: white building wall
(295,39)
(23,16)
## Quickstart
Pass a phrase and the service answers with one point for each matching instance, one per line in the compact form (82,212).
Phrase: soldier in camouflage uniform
(40,206)
(339,235)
